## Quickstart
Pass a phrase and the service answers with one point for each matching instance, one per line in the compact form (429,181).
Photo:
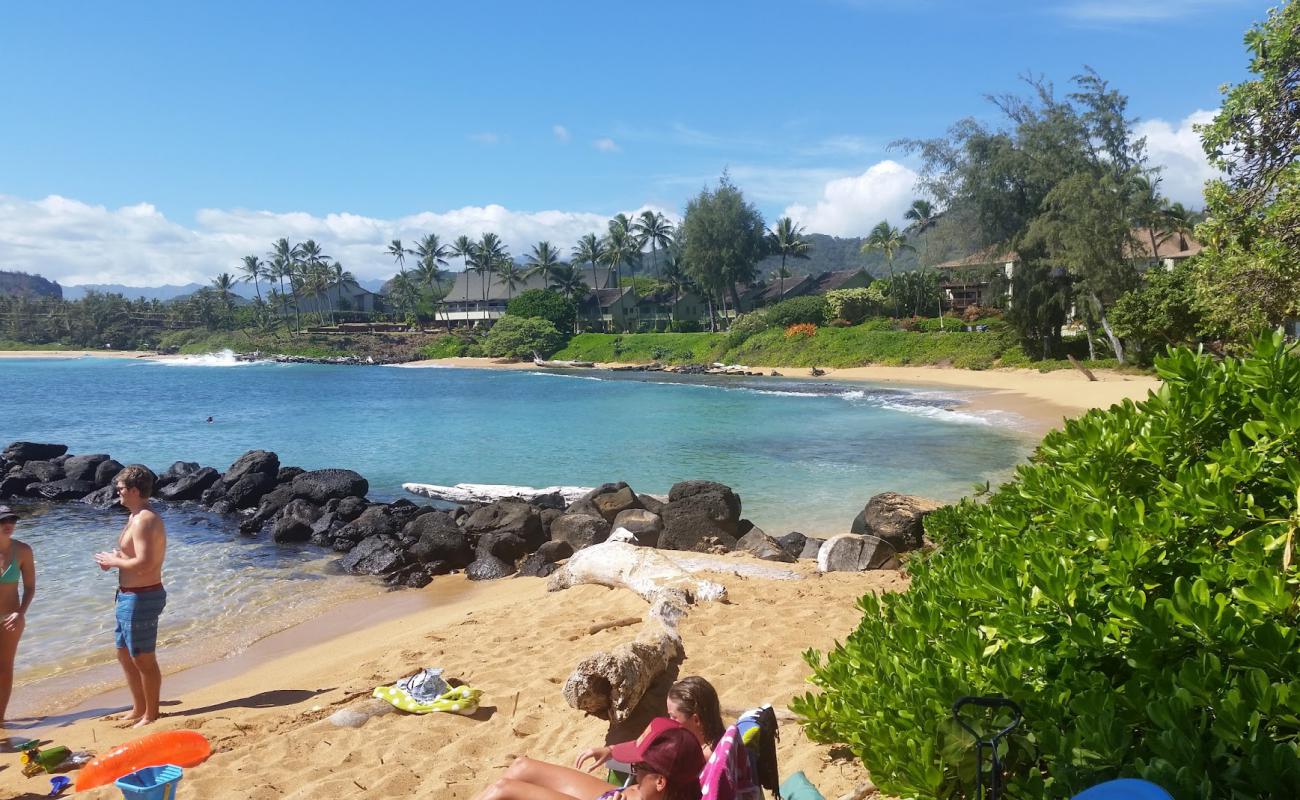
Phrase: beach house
(342,300)
(476,299)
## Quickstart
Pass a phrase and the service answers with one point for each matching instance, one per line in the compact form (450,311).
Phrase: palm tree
(489,255)
(285,258)
(224,286)
(541,261)
(398,253)
(510,276)
(590,250)
(253,269)
(336,276)
(568,281)
(1177,221)
(654,229)
(432,256)
(621,247)
(922,215)
(464,248)
(888,240)
(313,274)
(786,238)
(675,276)
(1148,212)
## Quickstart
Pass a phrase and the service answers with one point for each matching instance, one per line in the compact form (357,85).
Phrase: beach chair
(727,774)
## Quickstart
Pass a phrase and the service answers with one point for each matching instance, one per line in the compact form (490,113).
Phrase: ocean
(803,456)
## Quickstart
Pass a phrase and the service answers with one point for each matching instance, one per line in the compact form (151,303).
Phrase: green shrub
(798,310)
(521,337)
(745,326)
(686,326)
(543,304)
(1132,588)
(879,324)
(854,305)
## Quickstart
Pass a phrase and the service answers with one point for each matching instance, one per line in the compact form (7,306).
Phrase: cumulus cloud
(74,242)
(1177,150)
(605,145)
(561,133)
(851,206)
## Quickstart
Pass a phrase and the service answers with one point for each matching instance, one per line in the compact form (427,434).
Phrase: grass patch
(197,341)
(666,348)
(10,344)
(862,345)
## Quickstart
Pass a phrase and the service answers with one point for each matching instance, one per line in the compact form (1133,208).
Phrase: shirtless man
(141,597)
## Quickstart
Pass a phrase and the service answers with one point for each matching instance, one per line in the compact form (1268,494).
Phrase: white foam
(420,366)
(223,358)
(563,375)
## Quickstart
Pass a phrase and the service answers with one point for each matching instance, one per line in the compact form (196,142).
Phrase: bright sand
(510,638)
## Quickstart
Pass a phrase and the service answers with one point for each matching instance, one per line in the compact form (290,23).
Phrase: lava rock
(82,468)
(685,489)
(488,568)
(811,547)
(105,497)
(793,543)
(651,503)
(762,546)
(505,545)
(349,508)
(22,452)
(272,503)
(645,526)
(438,538)
(375,555)
(507,516)
(189,486)
(579,530)
(254,462)
(586,507)
(612,498)
(321,485)
(63,489)
(290,529)
(287,474)
(249,489)
(702,516)
(851,552)
(107,471)
(551,500)
(374,521)
(17,485)
(542,563)
(44,471)
(896,518)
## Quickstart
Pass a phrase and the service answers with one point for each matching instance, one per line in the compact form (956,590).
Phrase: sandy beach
(59,354)
(1044,399)
(267,715)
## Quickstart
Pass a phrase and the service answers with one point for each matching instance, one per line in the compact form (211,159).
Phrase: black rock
(320,485)
(44,471)
(811,547)
(684,489)
(760,545)
(259,462)
(349,508)
(82,468)
(548,515)
(16,485)
(22,452)
(701,520)
(272,503)
(438,538)
(488,568)
(290,529)
(63,489)
(249,489)
(107,471)
(505,545)
(222,506)
(583,506)
(179,468)
(508,516)
(374,521)
(652,504)
(579,530)
(542,563)
(553,500)
(612,498)
(375,555)
(287,474)
(793,543)
(189,486)
(212,494)
(896,518)
(104,497)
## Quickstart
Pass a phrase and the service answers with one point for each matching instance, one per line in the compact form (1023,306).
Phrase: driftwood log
(491,492)
(609,684)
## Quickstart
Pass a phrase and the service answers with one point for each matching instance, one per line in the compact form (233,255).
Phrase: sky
(145,143)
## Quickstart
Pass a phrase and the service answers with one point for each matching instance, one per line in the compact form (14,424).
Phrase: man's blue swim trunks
(137,618)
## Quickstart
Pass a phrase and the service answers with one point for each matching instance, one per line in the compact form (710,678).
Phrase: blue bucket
(151,783)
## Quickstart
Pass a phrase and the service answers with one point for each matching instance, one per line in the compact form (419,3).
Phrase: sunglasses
(640,770)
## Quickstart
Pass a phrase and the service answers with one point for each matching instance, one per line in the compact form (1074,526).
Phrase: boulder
(542,563)
(549,515)
(488,568)
(583,506)
(579,530)
(505,545)
(302,509)
(82,468)
(762,546)
(104,497)
(249,489)
(287,474)
(349,508)
(44,471)
(651,503)
(703,516)
(374,521)
(852,552)
(290,529)
(554,501)
(375,555)
(507,516)
(438,538)
(322,485)
(254,462)
(793,543)
(896,518)
(22,452)
(612,498)
(271,504)
(63,489)
(811,547)
(415,576)
(684,489)
(189,486)
(645,526)
(107,471)
(16,485)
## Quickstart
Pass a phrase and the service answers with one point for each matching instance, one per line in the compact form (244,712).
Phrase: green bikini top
(11,573)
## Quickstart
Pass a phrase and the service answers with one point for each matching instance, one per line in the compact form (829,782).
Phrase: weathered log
(541,362)
(491,492)
(610,684)
(647,572)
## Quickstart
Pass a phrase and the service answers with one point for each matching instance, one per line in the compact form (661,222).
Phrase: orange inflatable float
(182,748)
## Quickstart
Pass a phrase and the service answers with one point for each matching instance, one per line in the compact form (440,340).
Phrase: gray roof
(472,282)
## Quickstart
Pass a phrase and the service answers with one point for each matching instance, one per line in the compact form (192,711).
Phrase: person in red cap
(665,759)
(16,562)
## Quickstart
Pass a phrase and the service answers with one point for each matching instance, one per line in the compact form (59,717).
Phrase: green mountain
(20,284)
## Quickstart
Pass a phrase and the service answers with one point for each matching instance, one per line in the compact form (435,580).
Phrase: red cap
(667,748)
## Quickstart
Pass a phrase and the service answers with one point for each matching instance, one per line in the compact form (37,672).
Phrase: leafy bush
(1132,588)
(797,310)
(675,348)
(804,329)
(543,304)
(745,326)
(880,324)
(520,337)
(686,326)
(855,305)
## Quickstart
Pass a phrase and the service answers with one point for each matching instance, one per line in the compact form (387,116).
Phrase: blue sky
(174,135)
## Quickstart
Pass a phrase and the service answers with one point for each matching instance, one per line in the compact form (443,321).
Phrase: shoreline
(1043,399)
(70,354)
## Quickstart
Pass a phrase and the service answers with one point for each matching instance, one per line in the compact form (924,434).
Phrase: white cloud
(561,133)
(485,137)
(74,242)
(851,206)
(605,145)
(1103,11)
(1178,151)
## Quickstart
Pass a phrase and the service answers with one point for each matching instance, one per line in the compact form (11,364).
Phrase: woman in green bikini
(16,562)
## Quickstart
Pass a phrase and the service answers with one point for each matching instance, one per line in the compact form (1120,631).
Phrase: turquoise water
(802,455)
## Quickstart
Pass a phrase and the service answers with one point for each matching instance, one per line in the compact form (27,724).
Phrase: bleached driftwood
(491,492)
(644,570)
(541,362)
(610,684)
